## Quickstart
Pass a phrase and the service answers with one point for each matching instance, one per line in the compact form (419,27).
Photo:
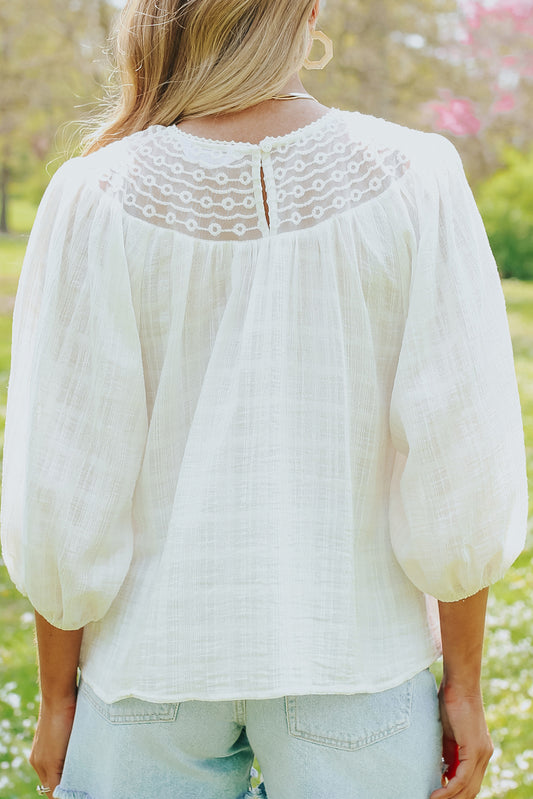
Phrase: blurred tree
(51,61)
(389,56)
(494,41)
(394,59)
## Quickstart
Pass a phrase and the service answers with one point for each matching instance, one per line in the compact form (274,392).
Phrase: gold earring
(328,51)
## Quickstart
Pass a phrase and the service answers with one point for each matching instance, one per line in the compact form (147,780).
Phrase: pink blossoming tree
(494,42)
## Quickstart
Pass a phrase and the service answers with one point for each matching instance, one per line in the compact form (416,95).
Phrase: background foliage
(51,63)
(506,203)
(462,67)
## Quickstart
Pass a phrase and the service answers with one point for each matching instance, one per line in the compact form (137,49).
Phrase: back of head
(179,59)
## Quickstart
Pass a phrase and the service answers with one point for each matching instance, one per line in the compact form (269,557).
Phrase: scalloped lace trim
(213,190)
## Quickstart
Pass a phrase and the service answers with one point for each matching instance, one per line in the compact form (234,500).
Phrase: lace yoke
(213,190)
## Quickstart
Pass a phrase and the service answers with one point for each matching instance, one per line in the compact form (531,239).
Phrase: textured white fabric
(242,455)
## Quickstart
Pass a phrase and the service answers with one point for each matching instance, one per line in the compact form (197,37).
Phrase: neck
(294,84)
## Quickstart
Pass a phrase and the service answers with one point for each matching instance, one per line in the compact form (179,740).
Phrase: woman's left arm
(75,432)
(59,652)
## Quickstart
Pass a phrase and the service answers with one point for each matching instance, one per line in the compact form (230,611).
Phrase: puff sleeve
(76,417)
(459,501)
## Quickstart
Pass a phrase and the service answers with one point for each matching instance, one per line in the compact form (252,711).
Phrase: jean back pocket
(349,721)
(130,710)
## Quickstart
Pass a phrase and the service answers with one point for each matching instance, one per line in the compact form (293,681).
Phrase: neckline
(270,141)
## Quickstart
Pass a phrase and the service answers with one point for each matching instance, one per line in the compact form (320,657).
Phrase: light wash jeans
(385,745)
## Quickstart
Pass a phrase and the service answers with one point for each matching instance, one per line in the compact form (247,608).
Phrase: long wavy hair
(178,59)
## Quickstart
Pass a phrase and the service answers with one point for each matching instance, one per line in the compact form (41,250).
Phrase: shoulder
(426,151)
(95,169)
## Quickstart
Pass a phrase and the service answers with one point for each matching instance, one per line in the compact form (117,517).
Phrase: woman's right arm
(466,742)
(458,507)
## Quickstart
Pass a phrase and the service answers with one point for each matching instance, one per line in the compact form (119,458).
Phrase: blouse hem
(356,687)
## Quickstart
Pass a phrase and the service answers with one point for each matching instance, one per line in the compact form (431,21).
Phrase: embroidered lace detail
(213,189)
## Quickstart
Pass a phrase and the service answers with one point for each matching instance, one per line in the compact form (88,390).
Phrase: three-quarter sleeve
(459,502)
(76,407)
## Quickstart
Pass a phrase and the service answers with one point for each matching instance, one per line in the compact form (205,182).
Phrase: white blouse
(246,452)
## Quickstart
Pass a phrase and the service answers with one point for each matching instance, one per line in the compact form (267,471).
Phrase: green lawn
(11,253)
(21,214)
(508,684)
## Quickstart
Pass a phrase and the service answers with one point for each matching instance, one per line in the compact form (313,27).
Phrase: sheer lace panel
(204,193)
(320,181)
(239,191)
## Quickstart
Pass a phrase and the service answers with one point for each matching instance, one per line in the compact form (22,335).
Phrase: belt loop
(240,711)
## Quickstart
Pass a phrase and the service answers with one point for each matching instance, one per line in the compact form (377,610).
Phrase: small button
(266,146)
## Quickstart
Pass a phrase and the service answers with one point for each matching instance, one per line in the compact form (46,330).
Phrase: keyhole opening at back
(265,197)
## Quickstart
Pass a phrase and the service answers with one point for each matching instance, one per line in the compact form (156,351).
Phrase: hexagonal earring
(328,51)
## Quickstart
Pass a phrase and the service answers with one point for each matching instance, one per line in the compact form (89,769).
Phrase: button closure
(266,146)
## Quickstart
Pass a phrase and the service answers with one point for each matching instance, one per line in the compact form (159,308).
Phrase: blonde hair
(179,59)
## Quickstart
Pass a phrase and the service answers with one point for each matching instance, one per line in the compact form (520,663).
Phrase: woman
(263,435)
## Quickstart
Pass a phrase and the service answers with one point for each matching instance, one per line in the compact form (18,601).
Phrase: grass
(12,250)
(507,682)
(21,214)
